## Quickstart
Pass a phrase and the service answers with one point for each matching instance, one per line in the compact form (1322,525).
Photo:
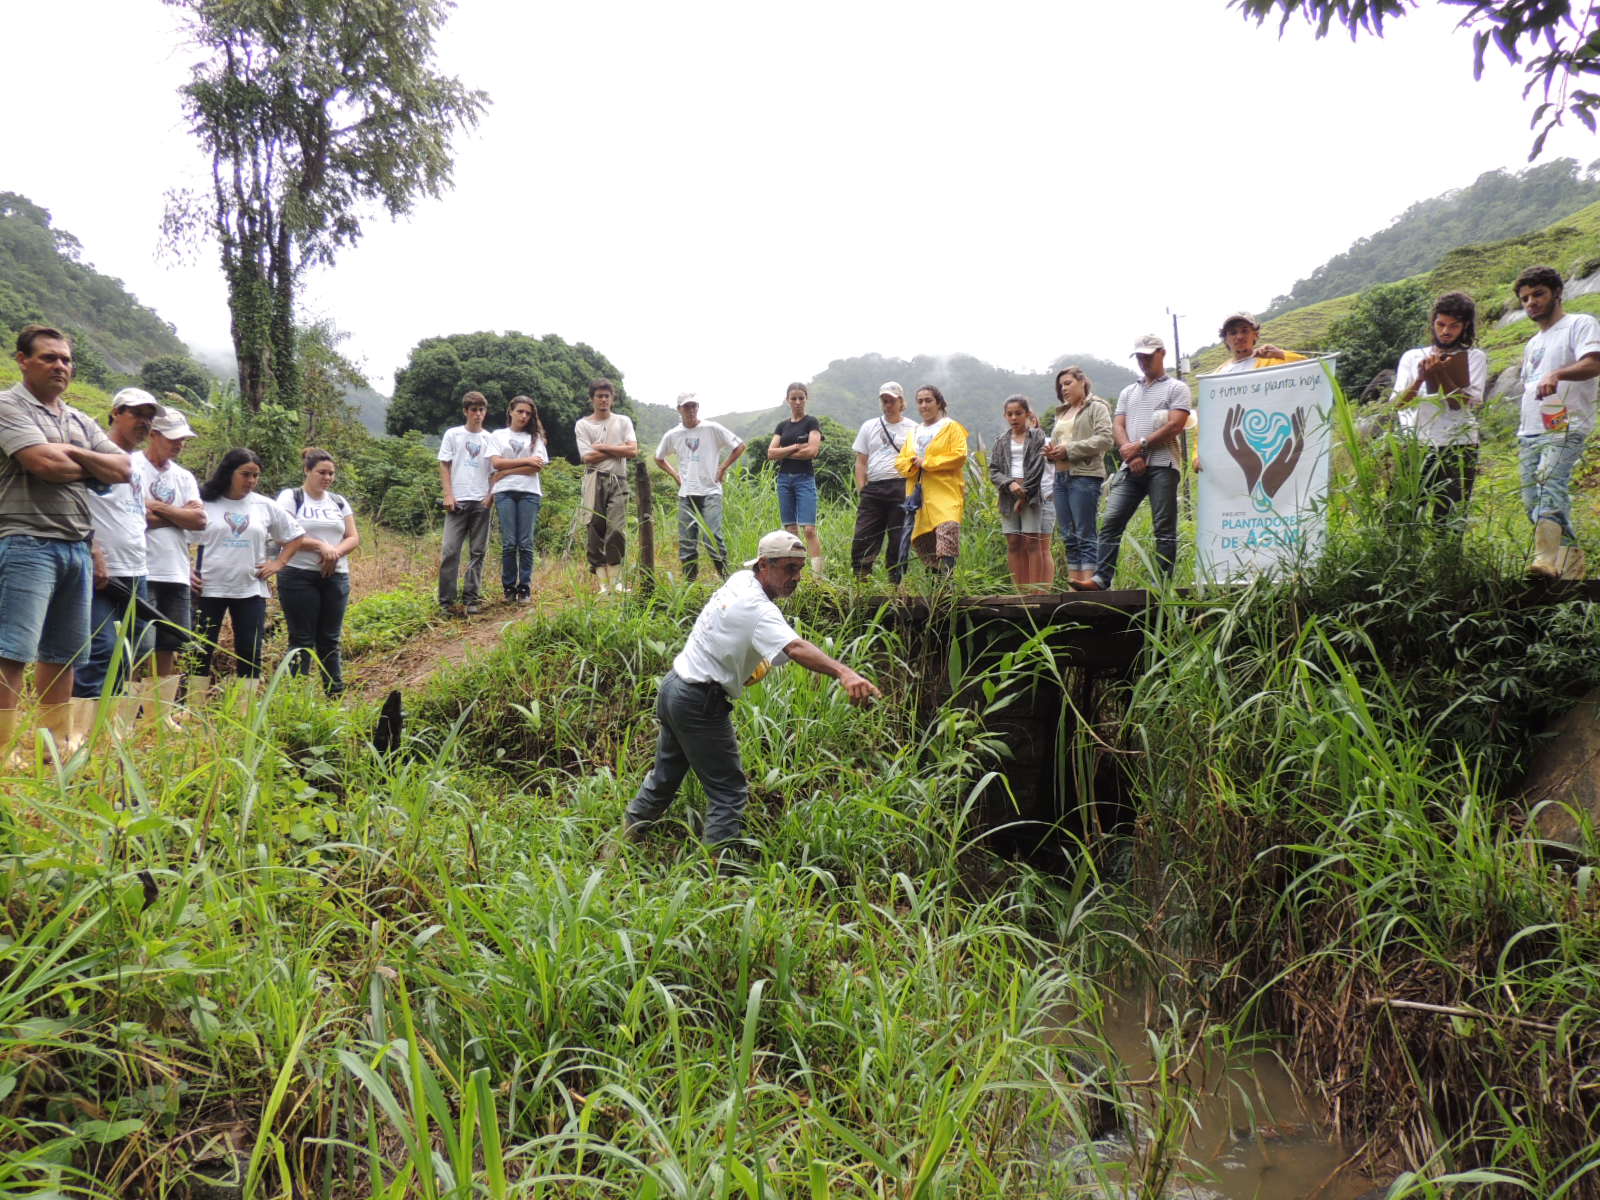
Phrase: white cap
(172,424)
(780,543)
(1148,344)
(136,398)
(688,398)
(892,389)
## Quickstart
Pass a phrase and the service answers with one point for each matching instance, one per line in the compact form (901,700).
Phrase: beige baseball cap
(780,543)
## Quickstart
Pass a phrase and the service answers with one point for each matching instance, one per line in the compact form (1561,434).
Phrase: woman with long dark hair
(234,564)
(314,588)
(517,454)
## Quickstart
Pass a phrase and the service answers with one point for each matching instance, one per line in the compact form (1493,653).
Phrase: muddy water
(1251,1132)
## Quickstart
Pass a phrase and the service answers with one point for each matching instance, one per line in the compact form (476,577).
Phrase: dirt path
(451,641)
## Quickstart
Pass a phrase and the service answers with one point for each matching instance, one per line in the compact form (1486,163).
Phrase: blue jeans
(797,499)
(1077,503)
(107,612)
(313,609)
(696,734)
(519,521)
(1160,484)
(1548,460)
(249,616)
(700,518)
(44,599)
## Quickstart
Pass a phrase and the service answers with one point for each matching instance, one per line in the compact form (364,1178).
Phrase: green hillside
(1484,271)
(1497,205)
(43,278)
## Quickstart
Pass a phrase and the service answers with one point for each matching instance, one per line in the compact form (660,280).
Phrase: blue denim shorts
(797,499)
(44,599)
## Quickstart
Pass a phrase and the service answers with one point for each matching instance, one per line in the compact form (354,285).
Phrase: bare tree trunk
(647,528)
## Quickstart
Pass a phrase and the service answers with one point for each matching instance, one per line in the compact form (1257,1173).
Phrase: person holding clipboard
(1446,381)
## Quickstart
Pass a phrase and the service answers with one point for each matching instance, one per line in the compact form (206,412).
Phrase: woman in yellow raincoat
(934,458)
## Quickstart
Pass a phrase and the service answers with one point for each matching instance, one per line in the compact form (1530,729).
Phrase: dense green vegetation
(43,278)
(264,950)
(1497,205)
(440,370)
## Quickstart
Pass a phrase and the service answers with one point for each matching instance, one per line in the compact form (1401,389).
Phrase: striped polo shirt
(1138,405)
(29,505)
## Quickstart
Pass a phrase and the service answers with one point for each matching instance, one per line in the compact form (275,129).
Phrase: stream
(1250,1130)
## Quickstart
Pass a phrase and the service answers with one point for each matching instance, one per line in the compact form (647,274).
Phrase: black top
(796,433)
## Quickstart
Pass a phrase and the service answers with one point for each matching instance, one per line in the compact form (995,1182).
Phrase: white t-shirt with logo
(166,546)
(322,519)
(1435,422)
(1569,339)
(883,448)
(117,514)
(700,452)
(738,636)
(468,456)
(235,544)
(508,443)
(924,434)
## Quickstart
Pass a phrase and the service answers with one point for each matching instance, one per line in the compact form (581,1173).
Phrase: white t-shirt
(700,452)
(117,514)
(468,456)
(235,544)
(166,546)
(1436,423)
(1018,457)
(322,519)
(506,443)
(738,636)
(1564,343)
(881,450)
(926,433)
(613,431)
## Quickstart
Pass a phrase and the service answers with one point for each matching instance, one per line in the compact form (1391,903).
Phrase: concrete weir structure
(1043,671)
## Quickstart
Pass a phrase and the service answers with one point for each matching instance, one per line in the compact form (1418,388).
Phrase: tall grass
(1331,842)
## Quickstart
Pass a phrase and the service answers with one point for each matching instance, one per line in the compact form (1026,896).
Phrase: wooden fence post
(647,528)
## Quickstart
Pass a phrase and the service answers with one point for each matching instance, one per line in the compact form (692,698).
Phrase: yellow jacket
(943,476)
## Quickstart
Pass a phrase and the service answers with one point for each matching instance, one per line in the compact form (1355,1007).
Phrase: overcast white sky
(724,197)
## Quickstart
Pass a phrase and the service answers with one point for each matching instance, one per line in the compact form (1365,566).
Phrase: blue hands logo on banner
(1267,446)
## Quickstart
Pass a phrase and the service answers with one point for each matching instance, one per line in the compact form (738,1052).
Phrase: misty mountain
(975,390)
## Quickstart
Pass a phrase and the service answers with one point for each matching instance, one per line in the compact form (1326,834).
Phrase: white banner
(1264,440)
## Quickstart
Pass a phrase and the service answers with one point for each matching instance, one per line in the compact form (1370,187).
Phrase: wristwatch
(1144,445)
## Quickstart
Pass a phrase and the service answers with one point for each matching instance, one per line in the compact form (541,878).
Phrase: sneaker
(473,608)
(525,596)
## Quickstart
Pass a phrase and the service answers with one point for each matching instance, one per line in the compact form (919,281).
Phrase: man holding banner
(1265,444)
(1150,415)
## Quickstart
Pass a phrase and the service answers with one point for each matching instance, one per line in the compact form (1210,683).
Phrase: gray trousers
(700,517)
(696,734)
(608,520)
(470,524)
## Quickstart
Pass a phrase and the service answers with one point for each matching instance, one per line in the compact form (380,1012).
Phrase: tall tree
(1557,42)
(311,110)
(440,370)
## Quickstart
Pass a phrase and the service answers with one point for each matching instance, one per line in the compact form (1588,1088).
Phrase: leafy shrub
(397,480)
(388,620)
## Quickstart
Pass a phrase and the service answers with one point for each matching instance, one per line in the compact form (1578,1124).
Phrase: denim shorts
(797,499)
(45,586)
